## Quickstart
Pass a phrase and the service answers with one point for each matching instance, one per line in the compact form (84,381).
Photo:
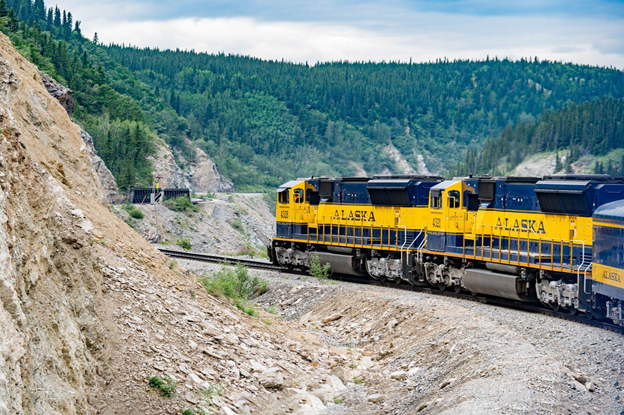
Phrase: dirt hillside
(89,310)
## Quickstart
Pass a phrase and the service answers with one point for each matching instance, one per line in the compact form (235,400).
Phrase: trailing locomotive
(558,239)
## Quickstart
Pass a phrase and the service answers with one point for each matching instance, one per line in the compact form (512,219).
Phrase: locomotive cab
(293,208)
(450,217)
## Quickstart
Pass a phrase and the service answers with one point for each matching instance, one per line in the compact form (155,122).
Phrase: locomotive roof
(406,177)
(611,212)
(443,185)
(563,184)
(289,184)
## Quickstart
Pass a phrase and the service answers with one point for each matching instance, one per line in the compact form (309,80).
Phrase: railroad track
(495,301)
(220,259)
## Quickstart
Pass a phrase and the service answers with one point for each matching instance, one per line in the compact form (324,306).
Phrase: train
(556,239)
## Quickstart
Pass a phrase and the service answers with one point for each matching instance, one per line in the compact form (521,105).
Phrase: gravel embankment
(434,355)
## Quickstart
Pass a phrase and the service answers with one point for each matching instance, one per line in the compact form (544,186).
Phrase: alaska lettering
(358,215)
(523,225)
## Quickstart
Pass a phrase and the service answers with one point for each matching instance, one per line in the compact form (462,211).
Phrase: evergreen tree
(57,17)
(4,11)
(39,11)
(557,162)
(70,22)
(95,39)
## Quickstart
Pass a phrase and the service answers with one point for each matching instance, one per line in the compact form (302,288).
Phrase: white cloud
(430,36)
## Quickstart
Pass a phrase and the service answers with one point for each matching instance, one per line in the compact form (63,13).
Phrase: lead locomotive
(558,240)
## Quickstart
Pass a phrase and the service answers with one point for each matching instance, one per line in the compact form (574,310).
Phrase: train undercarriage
(557,291)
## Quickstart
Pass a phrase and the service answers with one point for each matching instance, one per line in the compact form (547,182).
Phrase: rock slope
(89,310)
(200,175)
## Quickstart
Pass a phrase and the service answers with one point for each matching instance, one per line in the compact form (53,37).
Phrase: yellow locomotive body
(526,239)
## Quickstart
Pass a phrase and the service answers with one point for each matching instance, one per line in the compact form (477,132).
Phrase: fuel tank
(340,264)
(495,283)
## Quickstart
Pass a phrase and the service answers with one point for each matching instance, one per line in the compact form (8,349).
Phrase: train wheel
(397,280)
(457,288)
(572,311)
(382,278)
(554,306)
(441,286)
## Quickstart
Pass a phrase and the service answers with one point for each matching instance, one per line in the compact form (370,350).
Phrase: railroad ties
(484,299)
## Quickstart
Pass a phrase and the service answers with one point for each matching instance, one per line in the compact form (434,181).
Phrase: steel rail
(220,259)
(484,299)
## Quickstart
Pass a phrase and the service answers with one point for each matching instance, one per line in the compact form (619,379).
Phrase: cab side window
(453,199)
(436,201)
(298,195)
(283,197)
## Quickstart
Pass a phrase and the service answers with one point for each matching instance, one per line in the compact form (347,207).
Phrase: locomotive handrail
(410,246)
(488,230)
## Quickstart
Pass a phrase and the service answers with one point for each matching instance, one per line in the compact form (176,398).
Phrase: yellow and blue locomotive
(557,239)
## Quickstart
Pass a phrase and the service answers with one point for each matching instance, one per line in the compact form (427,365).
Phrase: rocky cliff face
(65,97)
(89,310)
(201,175)
(205,177)
(50,332)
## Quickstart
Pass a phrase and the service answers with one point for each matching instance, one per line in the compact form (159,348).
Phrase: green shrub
(322,272)
(246,307)
(166,386)
(133,211)
(181,204)
(188,412)
(237,224)
(237,285)
(184,243)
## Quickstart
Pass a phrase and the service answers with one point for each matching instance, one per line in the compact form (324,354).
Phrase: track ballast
(531,308)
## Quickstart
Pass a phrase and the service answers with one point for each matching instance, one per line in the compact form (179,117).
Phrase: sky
(579,31)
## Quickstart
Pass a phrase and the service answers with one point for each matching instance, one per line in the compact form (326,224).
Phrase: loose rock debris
(405,353)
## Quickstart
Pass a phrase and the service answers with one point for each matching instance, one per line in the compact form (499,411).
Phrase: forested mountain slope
(265,121)
(594,128)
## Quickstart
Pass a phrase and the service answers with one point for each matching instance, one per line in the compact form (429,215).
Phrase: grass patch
(130,222)
(322,272)
(198,411)
(213,390)
(237,224)
(184,243)
(271,310)
(133,211)
(166,386)
(181,204)
(249,249)
(236,284)
(358,381)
